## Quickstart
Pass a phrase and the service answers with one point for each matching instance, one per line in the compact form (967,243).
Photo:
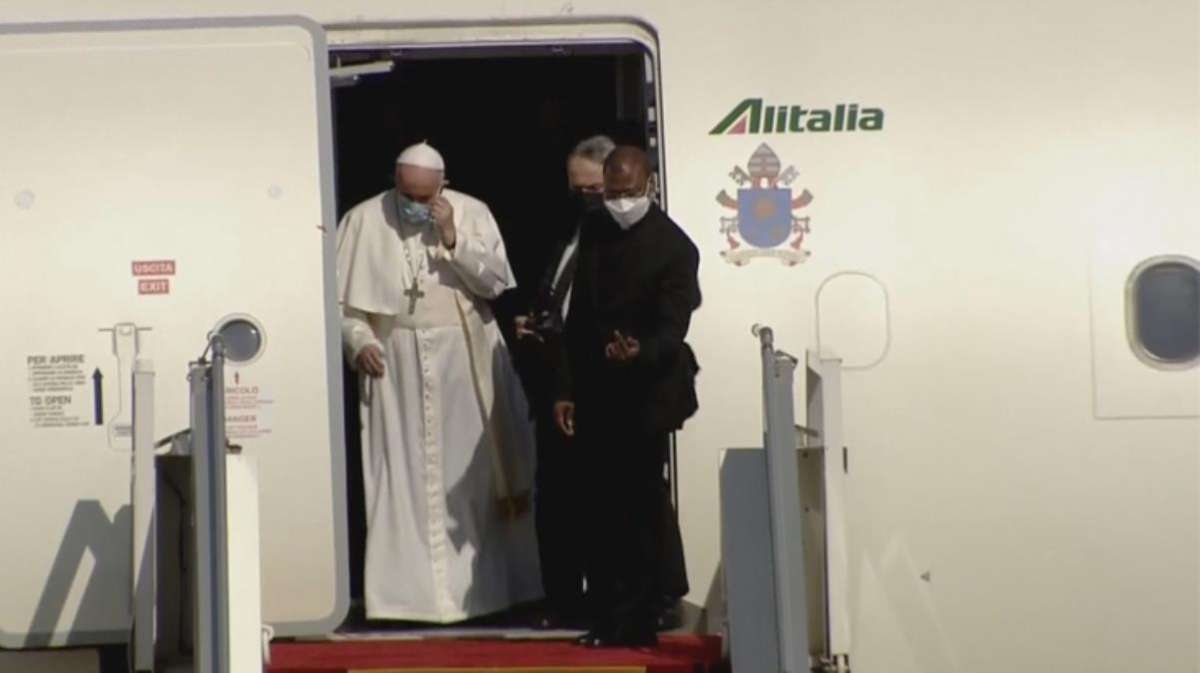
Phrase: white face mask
(629,211)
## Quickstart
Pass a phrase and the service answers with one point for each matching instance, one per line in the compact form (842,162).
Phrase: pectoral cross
(413,293)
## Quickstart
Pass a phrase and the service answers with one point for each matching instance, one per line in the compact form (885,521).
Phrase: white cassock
(446,430)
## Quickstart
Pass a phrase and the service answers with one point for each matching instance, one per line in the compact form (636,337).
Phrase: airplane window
(243,338)
(1164,311)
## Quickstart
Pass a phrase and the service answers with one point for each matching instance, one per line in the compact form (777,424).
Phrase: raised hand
(622,349)
(443,216)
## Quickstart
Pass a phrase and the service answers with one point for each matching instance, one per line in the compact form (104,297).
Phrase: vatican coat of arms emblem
(766,219)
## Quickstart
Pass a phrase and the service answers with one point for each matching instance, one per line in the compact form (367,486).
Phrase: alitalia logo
(751,116)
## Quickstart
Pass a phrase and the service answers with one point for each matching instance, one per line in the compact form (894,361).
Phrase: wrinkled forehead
(418,178)
(624,176)
(583,172)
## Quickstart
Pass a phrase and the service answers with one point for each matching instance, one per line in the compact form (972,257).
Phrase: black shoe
(638,637)
(551,620)
(621,637)
(670,616)
(559,617)
(594,638)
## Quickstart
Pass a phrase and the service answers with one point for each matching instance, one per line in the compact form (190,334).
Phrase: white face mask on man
(628,211)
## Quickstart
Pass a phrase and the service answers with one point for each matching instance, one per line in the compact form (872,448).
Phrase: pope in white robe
(448,448)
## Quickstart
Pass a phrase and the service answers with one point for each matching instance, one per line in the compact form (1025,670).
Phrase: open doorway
(504,119)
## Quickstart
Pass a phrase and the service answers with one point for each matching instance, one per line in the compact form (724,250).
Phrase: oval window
(1163,302)
(243,338)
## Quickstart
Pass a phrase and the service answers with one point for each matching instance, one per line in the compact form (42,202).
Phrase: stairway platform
(675,654)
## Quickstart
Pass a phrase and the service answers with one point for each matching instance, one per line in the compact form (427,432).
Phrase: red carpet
(676,654)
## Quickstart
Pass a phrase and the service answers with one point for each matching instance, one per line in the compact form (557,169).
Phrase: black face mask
(588,202)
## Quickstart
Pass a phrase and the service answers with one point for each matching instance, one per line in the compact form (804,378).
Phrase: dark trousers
(635,552)
(558,518)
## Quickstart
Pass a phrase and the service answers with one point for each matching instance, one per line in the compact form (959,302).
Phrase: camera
(547,323)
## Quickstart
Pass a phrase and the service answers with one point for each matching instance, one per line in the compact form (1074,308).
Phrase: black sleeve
(678,295)
(546,282)
(561,383)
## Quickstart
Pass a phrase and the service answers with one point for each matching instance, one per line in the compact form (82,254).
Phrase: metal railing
(207,379)
(205,446)
(779,440)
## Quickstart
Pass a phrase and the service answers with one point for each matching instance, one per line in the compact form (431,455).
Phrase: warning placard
(154,267)
(62,392)
(154,286)
(248,412)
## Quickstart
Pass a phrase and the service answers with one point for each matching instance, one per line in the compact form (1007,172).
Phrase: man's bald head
(627,159)
(626,172)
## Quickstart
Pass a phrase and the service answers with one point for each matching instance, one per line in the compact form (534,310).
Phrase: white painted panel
(852,319)
(201,146)
(245,580)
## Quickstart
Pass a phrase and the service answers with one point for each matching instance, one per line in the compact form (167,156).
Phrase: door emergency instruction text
(61,391)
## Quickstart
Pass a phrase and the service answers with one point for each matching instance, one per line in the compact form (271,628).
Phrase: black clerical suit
(641,282)
(560,546)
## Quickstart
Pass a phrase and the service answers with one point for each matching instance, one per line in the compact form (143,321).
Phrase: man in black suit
(560,545)
(625,383)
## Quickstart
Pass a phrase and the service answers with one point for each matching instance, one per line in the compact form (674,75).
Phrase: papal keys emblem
(766,223)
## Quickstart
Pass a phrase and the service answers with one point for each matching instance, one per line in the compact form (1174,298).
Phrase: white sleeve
(356,332)
(479,257)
